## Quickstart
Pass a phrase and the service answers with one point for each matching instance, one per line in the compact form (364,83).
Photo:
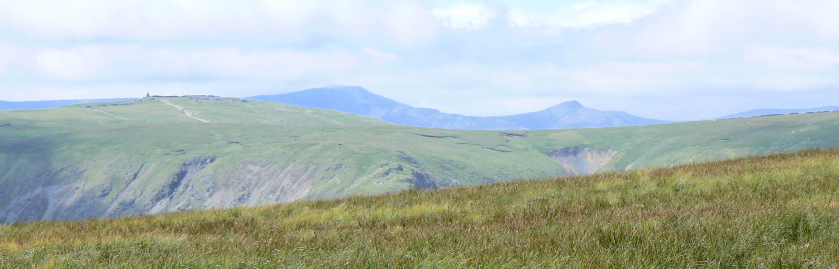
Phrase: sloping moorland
(778,211)
(170,154)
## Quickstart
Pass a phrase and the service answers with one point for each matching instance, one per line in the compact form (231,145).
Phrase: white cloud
(122,64)
(379,55)
(467,16)
(518,18)
(246,64)
(702,27)
(233,63)
(258,20)
(6,59)
(793,59)
(632,78)
(79,64)
(787,69)
(99,72)
(763,46)
(580,15)
(408,22)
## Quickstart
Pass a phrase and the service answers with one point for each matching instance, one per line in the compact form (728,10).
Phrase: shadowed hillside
(778,211)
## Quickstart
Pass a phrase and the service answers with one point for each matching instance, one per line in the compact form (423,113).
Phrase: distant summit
(567,105)
(357,100)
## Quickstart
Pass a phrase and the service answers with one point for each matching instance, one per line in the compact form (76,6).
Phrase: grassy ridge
(158,155)
(121,159)
(778,211)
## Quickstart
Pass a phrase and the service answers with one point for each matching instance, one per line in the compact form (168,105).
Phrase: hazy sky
(673,60)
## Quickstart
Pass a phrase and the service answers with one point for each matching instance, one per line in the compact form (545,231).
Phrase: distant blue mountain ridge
(4,105)
(357,100)
(774,111)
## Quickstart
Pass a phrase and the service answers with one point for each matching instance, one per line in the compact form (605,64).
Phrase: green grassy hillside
(779,211)
(158,155)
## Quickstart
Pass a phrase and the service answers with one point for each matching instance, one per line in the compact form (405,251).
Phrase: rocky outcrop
(582,160)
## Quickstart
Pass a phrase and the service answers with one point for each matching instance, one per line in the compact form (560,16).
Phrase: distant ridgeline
(175,96)
(4,105)
(165,154)
(776,112)
(357,100)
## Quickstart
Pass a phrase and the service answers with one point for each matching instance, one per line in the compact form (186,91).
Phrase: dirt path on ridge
(186,112)
(103,112)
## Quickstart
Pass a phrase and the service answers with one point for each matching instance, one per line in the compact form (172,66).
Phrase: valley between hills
(168,154)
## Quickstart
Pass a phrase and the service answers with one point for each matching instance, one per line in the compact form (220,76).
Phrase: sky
(662,59)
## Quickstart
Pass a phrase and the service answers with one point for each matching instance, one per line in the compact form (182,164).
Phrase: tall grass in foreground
(779,211)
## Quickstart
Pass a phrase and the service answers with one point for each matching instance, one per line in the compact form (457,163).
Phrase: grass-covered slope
(169,154)
(158,155)
(780,211)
